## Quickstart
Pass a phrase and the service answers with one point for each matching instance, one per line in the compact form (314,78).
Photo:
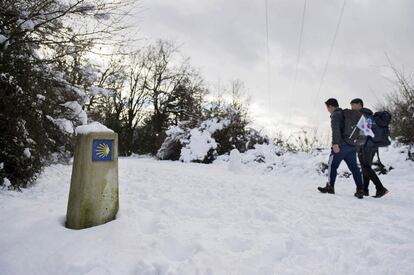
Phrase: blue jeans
(349,155)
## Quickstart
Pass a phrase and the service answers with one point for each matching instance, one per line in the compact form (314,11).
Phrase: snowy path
(204,219)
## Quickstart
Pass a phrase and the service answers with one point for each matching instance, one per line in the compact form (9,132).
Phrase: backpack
(351,133)
(381,129)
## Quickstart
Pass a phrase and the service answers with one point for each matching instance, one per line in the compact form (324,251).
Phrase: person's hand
(336,148)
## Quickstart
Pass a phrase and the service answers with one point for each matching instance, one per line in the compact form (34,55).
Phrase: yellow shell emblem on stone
(103,150)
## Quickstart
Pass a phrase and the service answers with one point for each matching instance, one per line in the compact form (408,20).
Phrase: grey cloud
(226,39)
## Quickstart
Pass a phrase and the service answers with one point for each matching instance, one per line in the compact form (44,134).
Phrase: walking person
(366,154)
(341,151)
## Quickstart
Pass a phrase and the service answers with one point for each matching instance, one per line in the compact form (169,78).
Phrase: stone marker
(93,196)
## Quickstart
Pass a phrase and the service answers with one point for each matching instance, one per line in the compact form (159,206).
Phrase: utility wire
(267,54)
(330,53)
(295,77)
(299,49)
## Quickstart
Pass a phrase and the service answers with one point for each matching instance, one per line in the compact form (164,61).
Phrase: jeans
(348,154)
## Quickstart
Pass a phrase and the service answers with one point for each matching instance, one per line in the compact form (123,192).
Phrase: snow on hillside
(257,217)
(268,159)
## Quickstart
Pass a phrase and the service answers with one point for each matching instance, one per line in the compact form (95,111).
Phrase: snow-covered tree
(44,79)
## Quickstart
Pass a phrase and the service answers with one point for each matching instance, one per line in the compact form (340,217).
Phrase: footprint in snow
(238,245)
(151,269)
(149,223)
(176,250)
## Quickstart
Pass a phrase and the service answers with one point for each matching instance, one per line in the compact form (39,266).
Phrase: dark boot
(382,192)
(366,192)
(359,193)
(327,189)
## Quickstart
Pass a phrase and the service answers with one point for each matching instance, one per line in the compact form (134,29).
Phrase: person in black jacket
(341,151)
(366,155)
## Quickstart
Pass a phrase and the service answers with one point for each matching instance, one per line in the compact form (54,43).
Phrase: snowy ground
(178,218)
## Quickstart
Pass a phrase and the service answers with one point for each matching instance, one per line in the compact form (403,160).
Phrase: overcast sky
(226,39)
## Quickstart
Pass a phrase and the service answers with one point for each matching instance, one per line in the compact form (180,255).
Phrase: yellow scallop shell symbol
(103,150)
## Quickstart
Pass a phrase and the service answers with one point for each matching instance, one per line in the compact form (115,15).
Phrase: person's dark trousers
(366,156)
(348,153)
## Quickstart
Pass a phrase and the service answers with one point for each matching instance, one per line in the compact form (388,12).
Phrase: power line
(330,53)
(299,48)
(267,53)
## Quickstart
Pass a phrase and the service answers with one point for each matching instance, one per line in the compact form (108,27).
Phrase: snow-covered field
(180,218)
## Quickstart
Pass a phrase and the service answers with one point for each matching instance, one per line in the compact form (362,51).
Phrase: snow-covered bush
(307,140)
(236,134)
(411,154)
(223,127)
(172,145)
(272,159)
(192,145)
(199,145)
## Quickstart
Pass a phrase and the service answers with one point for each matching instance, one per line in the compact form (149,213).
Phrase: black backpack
(381,128)
(351,133)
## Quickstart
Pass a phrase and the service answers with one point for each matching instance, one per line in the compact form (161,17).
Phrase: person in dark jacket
(366,155)
(341,151)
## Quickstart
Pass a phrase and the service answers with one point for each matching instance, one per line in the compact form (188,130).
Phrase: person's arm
(336,120)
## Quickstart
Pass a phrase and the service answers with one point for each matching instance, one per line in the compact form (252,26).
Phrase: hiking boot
(366,193)
(359,193)
(327,189)
(382,192)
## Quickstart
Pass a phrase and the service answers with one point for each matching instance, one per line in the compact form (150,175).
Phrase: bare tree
(173,89)
(401,106)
